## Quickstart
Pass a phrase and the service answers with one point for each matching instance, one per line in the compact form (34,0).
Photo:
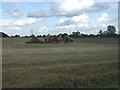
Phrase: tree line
(110,32)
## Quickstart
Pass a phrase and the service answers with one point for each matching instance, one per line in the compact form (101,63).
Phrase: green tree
(76,34)
(17,36)
(3,35)
(111,29)
(100,32)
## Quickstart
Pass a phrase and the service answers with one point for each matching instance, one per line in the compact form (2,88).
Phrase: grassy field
(84,63)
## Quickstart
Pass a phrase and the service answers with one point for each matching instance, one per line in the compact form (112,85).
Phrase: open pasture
(84,63)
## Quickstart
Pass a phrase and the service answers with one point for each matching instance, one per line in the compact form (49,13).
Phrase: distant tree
(100,32)
(32,35)
(39,36)
(91,35)
(104,34)
(25,36)
(3,35)
(44,36)
(111,29)
(84,35)
(75,34)
(97,35)
(110,32)
(16,36)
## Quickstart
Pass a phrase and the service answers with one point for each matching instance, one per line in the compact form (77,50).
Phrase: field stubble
(87,62)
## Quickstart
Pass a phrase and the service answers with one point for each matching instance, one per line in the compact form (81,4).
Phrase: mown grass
(85,63)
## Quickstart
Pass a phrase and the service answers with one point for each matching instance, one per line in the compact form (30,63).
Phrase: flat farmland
(83,63)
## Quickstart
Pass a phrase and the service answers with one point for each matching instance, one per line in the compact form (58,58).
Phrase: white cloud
(70,26)
(14,28)
(17,14)
(14,13)
(38,14)
(43,29)
(20,22)
(1,11)
(53,0)
(69,5)
(70,8)
(81,18)
(5,22)
(27,21)
(74,20)
(83,25)
(101,23)
(1,30)
(107,0)
(62,21)
(65,27)
(103,18)
(29,0)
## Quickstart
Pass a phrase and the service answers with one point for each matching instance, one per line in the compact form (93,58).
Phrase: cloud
(74,20)
(43,29)
(70,8)
(1,30)
(29,0)
(69,5)
(65,27)
(107,0)
(81,23)
(15,13)
(84,24)
(103,18)
(1,11)
(27,21)
(65,16)
(5,22)
(38,14)
(14,28)
(20,22)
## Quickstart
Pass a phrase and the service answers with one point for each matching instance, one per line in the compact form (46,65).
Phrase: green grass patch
(84,63)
